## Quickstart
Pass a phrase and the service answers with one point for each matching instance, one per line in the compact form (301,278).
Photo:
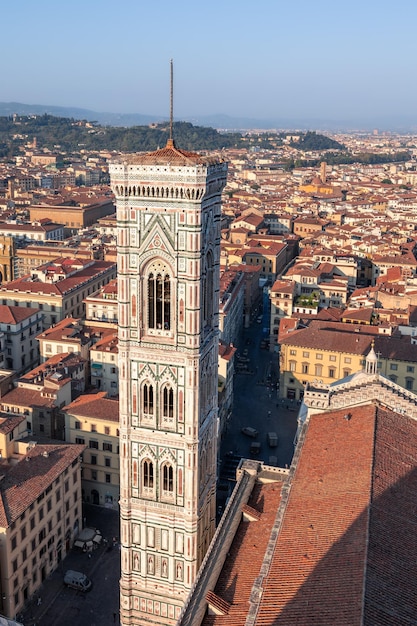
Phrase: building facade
(40,512)
(59,287)
(168,208)
(93,420)
(73,217)
(231,305)
(328,351)
(20,326)
(104,364)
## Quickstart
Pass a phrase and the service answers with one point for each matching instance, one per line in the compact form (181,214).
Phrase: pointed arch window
(168,478)
(168,403)
(148,399)
(159,300)
(208,291)
(147,475)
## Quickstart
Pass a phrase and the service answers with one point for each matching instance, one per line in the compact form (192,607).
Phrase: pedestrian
(114,617)
(39,601)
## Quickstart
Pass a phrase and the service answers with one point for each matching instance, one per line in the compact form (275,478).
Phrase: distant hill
(72,135)
(219,121)
(104,119)
(313,141)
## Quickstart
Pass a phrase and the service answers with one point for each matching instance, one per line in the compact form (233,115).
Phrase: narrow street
(256,405)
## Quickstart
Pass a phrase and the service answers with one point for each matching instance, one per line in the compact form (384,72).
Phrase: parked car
(272,439)
(77,580)
(255,448)
(250,432)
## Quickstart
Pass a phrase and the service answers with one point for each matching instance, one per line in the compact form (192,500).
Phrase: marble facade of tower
(168,213)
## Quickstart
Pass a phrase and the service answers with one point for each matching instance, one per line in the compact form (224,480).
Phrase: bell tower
(168,214)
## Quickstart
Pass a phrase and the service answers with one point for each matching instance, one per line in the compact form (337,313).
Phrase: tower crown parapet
(170,174)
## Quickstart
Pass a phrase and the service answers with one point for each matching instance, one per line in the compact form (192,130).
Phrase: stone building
(329,351)
(93,419)
(73,217)
(59,287)
(40,511)
(168,209)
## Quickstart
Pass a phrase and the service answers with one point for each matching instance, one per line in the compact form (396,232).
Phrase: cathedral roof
(170,155)
(334,542)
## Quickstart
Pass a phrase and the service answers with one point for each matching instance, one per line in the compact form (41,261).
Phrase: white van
(77,580)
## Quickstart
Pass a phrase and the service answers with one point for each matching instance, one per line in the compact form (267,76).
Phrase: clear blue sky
(261,59)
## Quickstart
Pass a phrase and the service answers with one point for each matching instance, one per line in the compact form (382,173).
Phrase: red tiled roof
(22,397)
(346,549)
(322,541)
(352,339)
(245,558)
(24,284)
(390,593)
(170,155)
(26,480)
(15,314)
(95,405)
(226,351)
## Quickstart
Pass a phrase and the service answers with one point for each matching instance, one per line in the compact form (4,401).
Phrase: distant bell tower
(323,172)
(168,213)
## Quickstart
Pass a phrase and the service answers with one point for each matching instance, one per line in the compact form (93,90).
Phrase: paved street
(256,404)
(61,606)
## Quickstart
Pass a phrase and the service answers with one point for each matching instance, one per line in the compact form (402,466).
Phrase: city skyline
(288,62)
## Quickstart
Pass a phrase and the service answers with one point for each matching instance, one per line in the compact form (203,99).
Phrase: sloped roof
(15,314)
(170,155)
(26,480)
(324,503)
(342,548)
(245,556)
(62,287)
(347,543)
(94,405)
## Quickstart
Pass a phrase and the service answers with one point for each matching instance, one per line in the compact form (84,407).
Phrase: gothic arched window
(167,478)
(167,402)
(159,300)
(147,399)
(147,475)
(208,291)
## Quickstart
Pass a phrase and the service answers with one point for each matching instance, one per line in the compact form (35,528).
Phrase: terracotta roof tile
(245,558)
(170,155)
(26,480)
(15,314)
(322,543)
(95,405)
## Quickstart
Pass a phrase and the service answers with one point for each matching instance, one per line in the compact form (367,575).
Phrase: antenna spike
(171,108)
